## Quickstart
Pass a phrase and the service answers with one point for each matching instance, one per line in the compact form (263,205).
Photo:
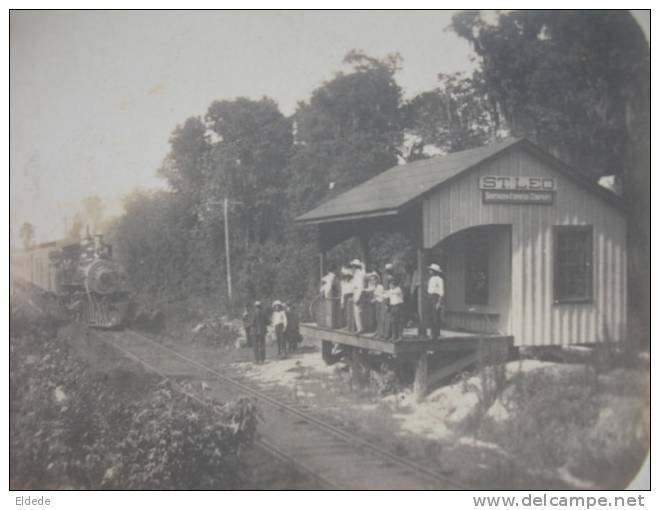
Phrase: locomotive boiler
(82,275)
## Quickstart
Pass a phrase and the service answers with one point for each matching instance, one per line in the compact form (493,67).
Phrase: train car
(83,277)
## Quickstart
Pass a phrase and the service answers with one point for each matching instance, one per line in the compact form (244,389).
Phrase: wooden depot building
(532,252)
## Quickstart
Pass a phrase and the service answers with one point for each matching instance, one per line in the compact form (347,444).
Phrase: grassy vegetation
(74,427)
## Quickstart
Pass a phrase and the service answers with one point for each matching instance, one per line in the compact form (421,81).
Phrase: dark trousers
(385,319)
(396,325)
(436,320)
(292,338)
(281,340)
(259,342)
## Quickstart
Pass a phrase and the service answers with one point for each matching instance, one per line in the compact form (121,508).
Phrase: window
(476,268)
(573,264)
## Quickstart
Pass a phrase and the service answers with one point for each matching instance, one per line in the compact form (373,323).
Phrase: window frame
(589,251)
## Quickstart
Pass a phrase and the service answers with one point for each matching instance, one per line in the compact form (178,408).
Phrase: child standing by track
(279,322)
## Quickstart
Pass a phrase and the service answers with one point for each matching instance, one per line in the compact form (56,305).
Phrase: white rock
(497,412)
(60,396)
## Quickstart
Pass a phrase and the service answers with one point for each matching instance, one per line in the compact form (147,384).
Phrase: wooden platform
(475,348)
(411,343)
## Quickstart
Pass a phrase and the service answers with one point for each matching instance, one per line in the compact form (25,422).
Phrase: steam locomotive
(83,277)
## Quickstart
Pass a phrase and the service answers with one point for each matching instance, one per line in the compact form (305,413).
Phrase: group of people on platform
(366,302)
(283,322)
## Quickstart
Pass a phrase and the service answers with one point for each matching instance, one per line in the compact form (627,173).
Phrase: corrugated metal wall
(534,318)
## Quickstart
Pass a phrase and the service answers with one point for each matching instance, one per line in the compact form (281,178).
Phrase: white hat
(373,275)
(257,303)
(356,262)
(277,302)
(389,266)
(436,268)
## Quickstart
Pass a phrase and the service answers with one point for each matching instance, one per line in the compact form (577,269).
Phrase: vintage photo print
(329,250)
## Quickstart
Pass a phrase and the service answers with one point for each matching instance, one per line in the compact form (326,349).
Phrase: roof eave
(347,217)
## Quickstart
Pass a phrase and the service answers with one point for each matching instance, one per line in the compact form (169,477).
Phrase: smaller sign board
(507,189)
(518,197)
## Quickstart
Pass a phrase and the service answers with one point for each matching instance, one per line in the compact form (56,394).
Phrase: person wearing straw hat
(395,309)
(388,274)
(346,299)
(258,329)
(357,283)
(369,308)
(279,322)
(329,300)
(436,293)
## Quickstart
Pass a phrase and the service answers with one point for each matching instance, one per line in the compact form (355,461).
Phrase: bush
(550,414)
(72,428)
(170,443)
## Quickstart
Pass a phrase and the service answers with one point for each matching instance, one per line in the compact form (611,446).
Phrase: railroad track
(332,456)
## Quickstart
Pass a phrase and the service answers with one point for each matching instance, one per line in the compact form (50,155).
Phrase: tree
(457,115)
(156,244)
(248,162)
(350,130)
(188,159)
(563,78)
(578,83)
(27,234)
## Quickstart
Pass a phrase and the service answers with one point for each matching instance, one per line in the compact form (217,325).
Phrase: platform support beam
(460,364)
(420,386)
(326,352)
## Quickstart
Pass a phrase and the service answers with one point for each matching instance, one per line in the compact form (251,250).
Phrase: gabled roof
(391,191)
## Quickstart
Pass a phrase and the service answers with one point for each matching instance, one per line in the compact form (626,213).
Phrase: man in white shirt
(395,298)
(329,303)
(357,282)
(436,293)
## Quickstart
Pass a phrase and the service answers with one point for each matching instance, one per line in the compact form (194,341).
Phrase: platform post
(326,352)
(322,264)
(420,385)
(421,293)
(364,248)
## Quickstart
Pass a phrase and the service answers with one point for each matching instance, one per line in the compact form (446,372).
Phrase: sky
(95,95)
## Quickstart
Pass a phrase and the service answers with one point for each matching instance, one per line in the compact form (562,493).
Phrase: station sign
(503,189)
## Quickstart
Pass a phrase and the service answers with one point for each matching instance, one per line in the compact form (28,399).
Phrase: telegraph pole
(225,205)
(226,211)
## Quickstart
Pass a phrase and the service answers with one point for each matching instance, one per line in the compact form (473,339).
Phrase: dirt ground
(442,431)
(551,425)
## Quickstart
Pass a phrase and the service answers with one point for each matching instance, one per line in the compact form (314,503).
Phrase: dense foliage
(574,82)
(270,168)
(71,427)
